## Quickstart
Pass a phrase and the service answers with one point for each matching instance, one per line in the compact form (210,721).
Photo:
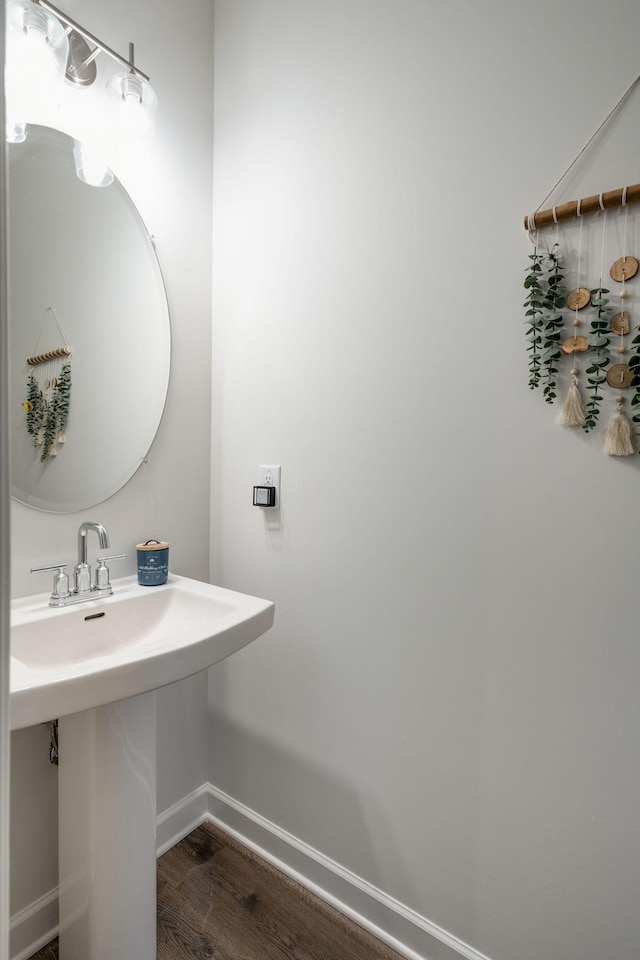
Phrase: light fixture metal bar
(93,39)
(92,56)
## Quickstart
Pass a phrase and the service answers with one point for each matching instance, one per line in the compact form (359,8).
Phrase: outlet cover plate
(269,476)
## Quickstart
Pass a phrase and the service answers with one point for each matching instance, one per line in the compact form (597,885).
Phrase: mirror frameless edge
(5,566)
(83,272)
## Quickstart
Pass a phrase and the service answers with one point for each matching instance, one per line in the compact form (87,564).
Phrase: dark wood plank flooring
(219,901)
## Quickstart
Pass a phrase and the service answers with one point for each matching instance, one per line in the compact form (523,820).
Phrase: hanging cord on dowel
(618,441)
(531,220)
(573,413)
(604,237)
(579,255)
(63,351)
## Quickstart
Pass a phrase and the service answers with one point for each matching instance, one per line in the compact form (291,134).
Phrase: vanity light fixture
(121,132)
(37,50)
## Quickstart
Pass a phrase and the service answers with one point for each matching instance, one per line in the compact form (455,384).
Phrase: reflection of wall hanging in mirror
(48,393)
(575,318)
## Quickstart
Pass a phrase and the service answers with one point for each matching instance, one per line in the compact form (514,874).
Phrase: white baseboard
(409,933)
(34,926)
(404,930)
(178,821)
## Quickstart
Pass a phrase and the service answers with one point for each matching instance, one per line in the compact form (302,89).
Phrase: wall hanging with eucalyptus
(48,394)
(578,314)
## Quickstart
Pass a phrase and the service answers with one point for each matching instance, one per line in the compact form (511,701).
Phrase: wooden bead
(622,349)
(574,371)
(576,322)
(623,293)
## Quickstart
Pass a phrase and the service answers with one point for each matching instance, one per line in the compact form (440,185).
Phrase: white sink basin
(69,659)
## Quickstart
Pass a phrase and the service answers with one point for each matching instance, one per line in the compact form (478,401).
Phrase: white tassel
(619,439)
(572,413)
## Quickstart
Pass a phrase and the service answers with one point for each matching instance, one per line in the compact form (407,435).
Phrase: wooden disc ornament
(620,323)
(579,298)
(624,268)
(575,345)
(619,375)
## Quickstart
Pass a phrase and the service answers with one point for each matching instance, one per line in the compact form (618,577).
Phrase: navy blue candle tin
(153,562)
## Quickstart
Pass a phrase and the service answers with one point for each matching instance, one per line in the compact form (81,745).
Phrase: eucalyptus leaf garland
(62,398)
(534,317)
(554,302)
(34,408)
(47,417)
(545,301)
(599,344)
(634,366)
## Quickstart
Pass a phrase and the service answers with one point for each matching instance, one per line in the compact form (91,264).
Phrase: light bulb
(16,131)
(91,166)
(132,108)
(36,57)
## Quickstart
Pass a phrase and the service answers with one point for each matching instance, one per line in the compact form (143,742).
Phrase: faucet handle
(102,571)
(60,588)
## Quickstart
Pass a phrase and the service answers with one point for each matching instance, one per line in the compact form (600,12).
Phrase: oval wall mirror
(83,273)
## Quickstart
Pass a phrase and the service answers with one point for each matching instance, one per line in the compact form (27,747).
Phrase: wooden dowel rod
(569,210)
(49,355)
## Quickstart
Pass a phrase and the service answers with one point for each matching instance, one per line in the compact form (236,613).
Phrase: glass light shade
(90,164)
(16,131)
(37,48)
(132,109)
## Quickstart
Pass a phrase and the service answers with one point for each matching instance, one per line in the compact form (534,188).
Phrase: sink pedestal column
(107,823)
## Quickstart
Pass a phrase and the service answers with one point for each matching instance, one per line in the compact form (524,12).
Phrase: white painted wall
(170,496)
(447,705)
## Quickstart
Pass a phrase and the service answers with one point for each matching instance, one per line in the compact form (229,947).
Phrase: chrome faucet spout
(103,538)
(82,578)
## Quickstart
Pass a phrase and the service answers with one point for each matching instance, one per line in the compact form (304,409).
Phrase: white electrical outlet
(269,476)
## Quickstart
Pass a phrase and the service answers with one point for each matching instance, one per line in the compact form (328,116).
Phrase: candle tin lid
(153,545)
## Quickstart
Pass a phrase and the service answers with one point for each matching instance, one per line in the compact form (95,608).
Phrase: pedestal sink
(95,666)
